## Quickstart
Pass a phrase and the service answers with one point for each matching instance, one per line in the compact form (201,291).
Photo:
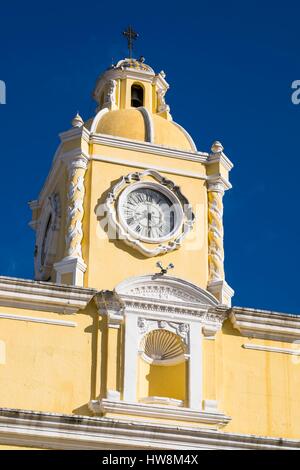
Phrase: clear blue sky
(230,65)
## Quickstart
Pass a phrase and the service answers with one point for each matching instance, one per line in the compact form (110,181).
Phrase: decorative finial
(162,73)
(77,121)
(162,269)
(131,36)
(142,59)
(217,147)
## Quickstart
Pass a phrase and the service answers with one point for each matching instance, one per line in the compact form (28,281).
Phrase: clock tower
(128,199)
(128,188)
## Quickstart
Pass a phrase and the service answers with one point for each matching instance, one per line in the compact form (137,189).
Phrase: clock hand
(149,222)
(142,216)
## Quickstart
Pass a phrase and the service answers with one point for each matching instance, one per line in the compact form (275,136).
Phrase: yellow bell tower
(128,188)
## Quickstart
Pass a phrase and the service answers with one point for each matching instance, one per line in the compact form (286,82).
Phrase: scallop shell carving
(162,346)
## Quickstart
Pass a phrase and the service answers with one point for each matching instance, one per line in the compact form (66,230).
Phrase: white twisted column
(216,186)
(71,268)
(215,231)
(75,210)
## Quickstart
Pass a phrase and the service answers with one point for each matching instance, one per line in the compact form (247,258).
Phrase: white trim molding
(149,127)
(262,347)
(69,432)
(187,135)
(75,133)
(159,411)
(265,324)
(167,288)
(148,147)
(220,158)
(46,321)
(97,119)
(161,401)
(44,296)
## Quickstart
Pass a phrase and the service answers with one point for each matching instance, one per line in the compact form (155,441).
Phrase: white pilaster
(195,367)
(130,358)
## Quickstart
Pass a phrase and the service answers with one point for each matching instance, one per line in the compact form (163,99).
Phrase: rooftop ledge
(266,324)
(45,296)
(65,431)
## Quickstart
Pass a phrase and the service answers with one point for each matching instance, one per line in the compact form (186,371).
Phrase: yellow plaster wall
(128,123)
(258,389)
(150,159)
(111,261)
(161,381)
(48,367)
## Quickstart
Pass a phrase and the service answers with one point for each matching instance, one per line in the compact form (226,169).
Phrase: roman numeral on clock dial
(148,213)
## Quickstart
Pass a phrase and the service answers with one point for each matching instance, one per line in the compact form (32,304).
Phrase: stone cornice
(62,431)
(181,309)
(148,147)
(43,296)
(265,324)
(177,413)
(221,158)
(166,298)
(75,133)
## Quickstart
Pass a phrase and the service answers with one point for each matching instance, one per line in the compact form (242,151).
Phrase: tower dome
(141,125)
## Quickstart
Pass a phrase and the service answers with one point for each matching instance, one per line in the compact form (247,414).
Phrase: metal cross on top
(131,36)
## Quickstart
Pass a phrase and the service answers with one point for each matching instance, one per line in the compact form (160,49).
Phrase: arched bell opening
(137,96)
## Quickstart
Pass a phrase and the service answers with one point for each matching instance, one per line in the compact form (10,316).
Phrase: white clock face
(148,213)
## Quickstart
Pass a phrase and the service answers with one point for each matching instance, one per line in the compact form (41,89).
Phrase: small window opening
(137,96)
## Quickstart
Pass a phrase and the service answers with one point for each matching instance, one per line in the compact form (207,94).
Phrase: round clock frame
(149,246)
(171,205)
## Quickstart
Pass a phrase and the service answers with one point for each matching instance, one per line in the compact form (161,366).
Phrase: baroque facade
(127,339)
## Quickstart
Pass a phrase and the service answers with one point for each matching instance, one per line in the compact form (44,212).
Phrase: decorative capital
(76,159)
(111,305)
(213,321)
(217,184)
(79,163)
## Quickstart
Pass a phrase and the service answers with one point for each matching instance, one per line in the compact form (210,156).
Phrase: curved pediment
(161,287)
